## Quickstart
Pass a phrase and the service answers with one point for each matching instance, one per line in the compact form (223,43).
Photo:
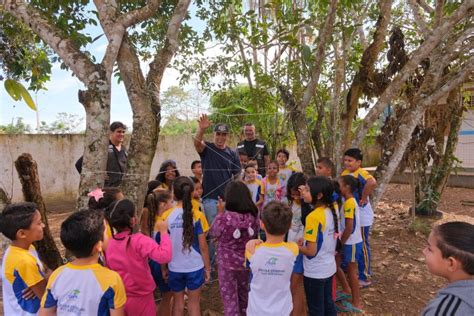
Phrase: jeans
(210,210)
(319,296)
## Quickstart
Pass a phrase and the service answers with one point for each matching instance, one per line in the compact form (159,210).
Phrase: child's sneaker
(363,284)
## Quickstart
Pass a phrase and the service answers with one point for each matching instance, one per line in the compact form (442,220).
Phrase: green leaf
(27,97)
(11,86)
(18,92)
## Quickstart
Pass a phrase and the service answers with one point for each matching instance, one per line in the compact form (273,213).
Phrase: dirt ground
(402,285)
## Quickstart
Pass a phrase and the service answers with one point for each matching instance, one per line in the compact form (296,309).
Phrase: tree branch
(438,14)
(325,34)
(115,28)
(418,18)
(139,15)
(82,67)
(408,124)
(425,6)
(164,55)
(423,51)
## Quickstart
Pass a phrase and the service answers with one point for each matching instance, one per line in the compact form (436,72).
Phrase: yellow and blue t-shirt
(351,210)
(366,212)
(84,290)
(320,229)
(21,269)
(271,266)
(185,261)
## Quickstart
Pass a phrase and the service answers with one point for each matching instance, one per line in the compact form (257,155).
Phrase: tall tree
(127,25)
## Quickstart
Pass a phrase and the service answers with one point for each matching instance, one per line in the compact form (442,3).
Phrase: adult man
(220,164)
(255,148)
(117,156)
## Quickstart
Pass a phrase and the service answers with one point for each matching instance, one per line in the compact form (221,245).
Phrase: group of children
(279,240)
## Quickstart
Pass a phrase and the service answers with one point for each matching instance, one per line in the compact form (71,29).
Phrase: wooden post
(28,172)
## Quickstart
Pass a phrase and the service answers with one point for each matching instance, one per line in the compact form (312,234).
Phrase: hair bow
(97,194)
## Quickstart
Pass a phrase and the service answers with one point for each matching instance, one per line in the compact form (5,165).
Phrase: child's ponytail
(183,188)
(153,201)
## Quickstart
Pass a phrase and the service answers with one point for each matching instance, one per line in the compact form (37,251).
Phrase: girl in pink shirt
(128,254)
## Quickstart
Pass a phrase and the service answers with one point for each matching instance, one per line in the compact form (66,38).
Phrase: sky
(62,90)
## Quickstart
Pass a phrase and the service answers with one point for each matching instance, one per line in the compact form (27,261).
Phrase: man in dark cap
(220,164)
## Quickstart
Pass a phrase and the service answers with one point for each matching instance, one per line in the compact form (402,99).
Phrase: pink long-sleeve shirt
(129,254)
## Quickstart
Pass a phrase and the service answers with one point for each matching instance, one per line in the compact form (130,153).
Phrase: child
(325,167)
(351,241)
(147,220)
(197,194)
(271,263)
(196,169)
(450,254)
(83,286)
(167,173)
(319,246)
(233,229)
(157,203)
(284,171)
(100,199)
(295,233)
(244,160)
(190,264)
(128,254)
(352,163)
(257,190)
(22,269)
(272,184)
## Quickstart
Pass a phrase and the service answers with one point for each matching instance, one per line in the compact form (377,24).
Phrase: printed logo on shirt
(272,261)
(309,232)
(74,294)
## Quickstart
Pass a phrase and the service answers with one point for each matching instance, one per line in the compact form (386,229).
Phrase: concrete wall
(57,154)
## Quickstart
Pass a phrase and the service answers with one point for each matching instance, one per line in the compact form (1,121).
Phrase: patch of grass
(421,225)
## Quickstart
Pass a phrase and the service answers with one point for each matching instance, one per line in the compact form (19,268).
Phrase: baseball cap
(221,128)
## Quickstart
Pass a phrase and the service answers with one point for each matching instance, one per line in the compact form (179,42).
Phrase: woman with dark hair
(167,173)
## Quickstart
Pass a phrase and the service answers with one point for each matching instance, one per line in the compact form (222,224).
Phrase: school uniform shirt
(350,210)
(296,230)
(256,189)
(320,229)
(84,290)
(21,269)
(273,191)
(366,212)
(271,266)
(284,173)
(188,260)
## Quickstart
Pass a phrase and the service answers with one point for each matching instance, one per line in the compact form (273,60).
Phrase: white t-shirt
(84,290)
(351,210)
(21,269)
(256,189)
(271,265)
(320,229)
(296,231)
(188,260)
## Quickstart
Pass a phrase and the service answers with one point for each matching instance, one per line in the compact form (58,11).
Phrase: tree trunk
(146,120)
(304,148)
(29,178)
(96,102)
